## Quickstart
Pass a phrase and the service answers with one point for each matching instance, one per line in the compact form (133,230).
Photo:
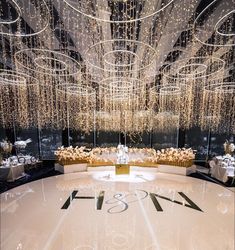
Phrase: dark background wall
(46,141)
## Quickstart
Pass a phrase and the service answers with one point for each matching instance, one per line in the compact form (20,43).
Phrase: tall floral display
(229,147)
(5,149)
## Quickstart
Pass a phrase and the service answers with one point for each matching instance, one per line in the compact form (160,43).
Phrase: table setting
(223,167)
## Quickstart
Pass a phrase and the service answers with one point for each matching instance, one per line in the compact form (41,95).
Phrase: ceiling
(170,32)
(121,49)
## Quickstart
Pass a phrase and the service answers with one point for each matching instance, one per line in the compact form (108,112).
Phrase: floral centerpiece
(100,151)
(70,155)
(229,147)
(176,156)
(148,157)
(5,149)
(98,156)
(22,144)
(145,151)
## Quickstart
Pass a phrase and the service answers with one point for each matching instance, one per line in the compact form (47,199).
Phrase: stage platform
(103,211)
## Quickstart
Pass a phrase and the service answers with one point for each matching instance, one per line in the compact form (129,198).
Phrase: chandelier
(119,65)
(218,98)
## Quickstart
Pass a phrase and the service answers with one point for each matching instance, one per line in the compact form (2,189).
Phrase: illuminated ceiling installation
(118,65)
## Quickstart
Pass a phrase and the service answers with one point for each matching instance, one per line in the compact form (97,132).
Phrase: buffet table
(222,168)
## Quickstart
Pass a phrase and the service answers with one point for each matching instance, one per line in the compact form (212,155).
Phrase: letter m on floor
(189,204)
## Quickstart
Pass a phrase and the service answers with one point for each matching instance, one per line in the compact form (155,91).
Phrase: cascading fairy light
(14,30)
(51,68)
(218,113)
(129,14)
(225,102)
(209,113)
(124,95)
(141,121)
(165,108)
(78,105)
(220,21)
(169,99)
(169,107)
(12,86)
(16,91)
(191,75)
(120,61)
(218,95)
(121,94)
(109,121)
(12,23)
(121,47)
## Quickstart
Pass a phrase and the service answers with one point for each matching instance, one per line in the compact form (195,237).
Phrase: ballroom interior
(117,124)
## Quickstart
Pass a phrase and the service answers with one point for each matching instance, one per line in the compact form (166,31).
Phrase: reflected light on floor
(133,177)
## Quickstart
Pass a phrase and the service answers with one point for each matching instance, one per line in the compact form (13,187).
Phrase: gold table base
(122,169)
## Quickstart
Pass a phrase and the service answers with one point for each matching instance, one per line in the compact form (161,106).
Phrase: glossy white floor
(98,210)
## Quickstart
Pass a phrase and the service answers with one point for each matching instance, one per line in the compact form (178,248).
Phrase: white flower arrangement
(176,156)
(95,155)
(72,155)
(22,144)
(104,150)
(5,146)
(228,147)
(171,156)
(145,151)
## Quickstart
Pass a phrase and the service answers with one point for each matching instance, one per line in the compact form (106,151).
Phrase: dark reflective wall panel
(2,134)
(217,141)
(46,141)
(138,140)
(107,139)
(79,138)
(49,141)
(165,140)
(198,140)
(32,148)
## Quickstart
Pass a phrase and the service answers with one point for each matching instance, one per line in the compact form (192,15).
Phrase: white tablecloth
(15,172)
(220,170)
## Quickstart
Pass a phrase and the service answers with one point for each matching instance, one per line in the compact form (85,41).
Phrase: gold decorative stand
(122,169)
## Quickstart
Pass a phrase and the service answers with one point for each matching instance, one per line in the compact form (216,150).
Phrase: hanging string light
(219,25)
(165,103)
(14,25)
(51,68)
(191,75)
(18,99)
(111,59)
(78,105)
(219,107)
